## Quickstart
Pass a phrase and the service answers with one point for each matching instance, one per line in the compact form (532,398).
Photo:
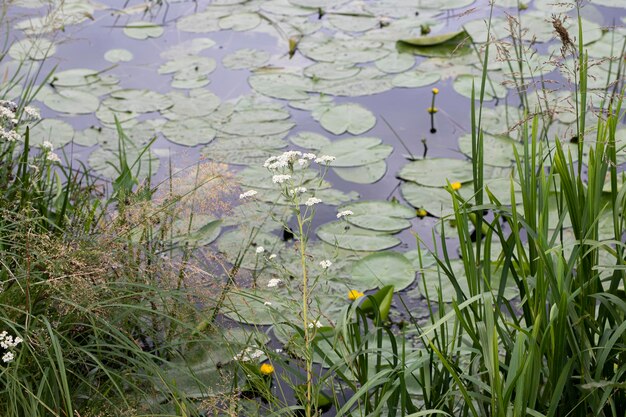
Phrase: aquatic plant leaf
(203,230)
(36,49)
(354,238)
(352,152)
(348,118)
(118,55)
(233,243)
(57,132)
(143,30)
(137,101)
(382,301)
(445,45)
(245,150)
(498,150)
(437,201)
(463,85)
(69,100)
(240,21)
(415,79)
(188,132)
(283,85)
(310,140)
(246,58)
(395,63)
(364,174)
(331,71)
(383,268)
(437,172)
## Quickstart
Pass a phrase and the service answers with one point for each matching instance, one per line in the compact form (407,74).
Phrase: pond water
(236,82)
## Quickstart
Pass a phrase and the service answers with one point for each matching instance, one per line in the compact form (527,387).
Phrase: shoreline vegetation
(215,292)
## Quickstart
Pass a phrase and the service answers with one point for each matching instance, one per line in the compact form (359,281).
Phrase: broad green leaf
(383,268)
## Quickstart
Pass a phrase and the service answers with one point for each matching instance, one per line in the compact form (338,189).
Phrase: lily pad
(69,101)
(352,152)
(395,63)
(364,174)
(384,268)
(415,79)
(310,140)
(143,30)
(351,118)
(246,59)
(118,55)
(380,215)
(36,49)
(435,200)
(57,132)
(240,21)
(344,236)
(203,230)
(189,132)
(444,45)
(437,172)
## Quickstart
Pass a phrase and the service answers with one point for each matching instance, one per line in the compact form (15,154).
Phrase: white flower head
(325,159)
(344,213)
(260,249)
(267,303)
(47,146)
(272,256)
(8,357)
(248,354)
(9,135)
(31,114)
(309,156)
(315,323)
(299,190)
(280,178)
(312,201)
(249,193)
(302,162)
(325,264)
(52,157)
(274,282)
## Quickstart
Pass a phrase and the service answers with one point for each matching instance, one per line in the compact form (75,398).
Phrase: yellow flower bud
(435,90)
(354,294)
(432,110)
(456,185)
(421,213)
(266,369)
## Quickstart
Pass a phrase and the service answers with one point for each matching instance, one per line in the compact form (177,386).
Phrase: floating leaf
(57,132)
(118,55)
(189,132)
(352,152)
(364,174)
(201,231)
(310,140)
(395,63)
(240,21)
(351,118)
(437,172)
(381,300)
(69,101)
(36,49)
(383,268)
(354,238)
(143,30)
(246,59)
(445,45)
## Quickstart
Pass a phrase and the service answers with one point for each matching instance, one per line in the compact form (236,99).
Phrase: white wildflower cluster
(312,201)
(274,282)
(31,114)
(325,159)
(260,250)
(8,343)
(250,193)
(286,160)
(248,354)
(280,178)
(344,213)
(325,264)
(46,148)
(8,121)
(315,323)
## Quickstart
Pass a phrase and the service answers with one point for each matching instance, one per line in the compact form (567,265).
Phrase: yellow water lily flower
(266,369)
(354,294)
(435,90)
(421,213)
(456,185)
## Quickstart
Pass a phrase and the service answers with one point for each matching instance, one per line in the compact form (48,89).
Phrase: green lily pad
(57,132)
(203,230)
(310,140)
(364,174)
(497,150)
(395,63)
(379,215)
(415,79)
(383,268)
(285,85)
(143,30)
(240,21)
(137,101)
(118,55)
(246,59)
(354,238)
(69,101)
(444,45)
(331,71)
(189,132)
(435,200)
(232,244)
(351,118)
(463,85)
(437,172)
(352,152)
(246,150)
(36,49)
